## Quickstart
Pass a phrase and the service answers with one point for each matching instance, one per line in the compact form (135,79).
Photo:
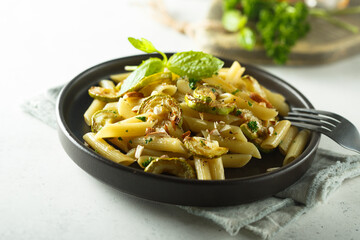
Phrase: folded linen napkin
(265,217)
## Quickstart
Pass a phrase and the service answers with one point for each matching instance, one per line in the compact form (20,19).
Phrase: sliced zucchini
(104,94)
(174,166)
(102,117)
(213,107)
(206,93)
(202,147)
(250,133)
(162,104)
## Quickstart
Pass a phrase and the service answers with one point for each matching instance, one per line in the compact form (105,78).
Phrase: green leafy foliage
(278,25)
(146,68)
(246,38)
(233,20)
(196,65)
(281,27)
(191,64)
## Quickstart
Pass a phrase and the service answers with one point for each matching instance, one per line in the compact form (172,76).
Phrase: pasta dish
(167,119)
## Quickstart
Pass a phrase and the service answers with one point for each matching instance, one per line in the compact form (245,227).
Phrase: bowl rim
(63,126)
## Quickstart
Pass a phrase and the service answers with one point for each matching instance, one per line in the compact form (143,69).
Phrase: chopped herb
(214,108)
(235,92)
(130,141)
(202,143)
(126,130)
(213,90)
(147,162)
(192,83)
(250,104)
(253,125)
(275,133)
(238,112)
(142,118)
(148,140)
(120,138)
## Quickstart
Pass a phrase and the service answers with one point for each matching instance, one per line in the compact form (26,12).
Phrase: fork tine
(315,117)
(327,114)
(311,127)
(315,122)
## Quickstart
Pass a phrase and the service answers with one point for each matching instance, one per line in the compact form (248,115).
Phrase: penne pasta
(235,160)
(288,139)
(280,130)
(297,146)
(216,169)
(121,129)
(106,150)
(202,168)
(160,144)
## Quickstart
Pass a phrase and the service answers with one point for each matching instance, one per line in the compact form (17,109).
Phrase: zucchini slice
(213,107)
(162,104)
(104,94)
(202,147)
(102,117)
(174,166)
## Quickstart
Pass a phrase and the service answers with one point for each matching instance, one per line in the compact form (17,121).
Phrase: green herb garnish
(253,126)
(142,118)
(148,140)
(147,162)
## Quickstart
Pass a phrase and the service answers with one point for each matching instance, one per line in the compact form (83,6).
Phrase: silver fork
(330,124)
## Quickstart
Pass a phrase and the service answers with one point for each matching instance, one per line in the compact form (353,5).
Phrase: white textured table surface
(44,195)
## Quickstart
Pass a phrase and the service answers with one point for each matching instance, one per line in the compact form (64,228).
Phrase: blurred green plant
(276,25)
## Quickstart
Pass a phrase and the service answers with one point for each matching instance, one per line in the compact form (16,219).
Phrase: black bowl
(242,185)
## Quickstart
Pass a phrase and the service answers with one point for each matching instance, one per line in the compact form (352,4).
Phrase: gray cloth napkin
(265,217)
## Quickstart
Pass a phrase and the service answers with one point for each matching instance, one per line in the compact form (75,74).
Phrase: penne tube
(216,169)
(278,101)
(167,89)
(106,150)
(258,110)
(280,130)
(297,146)
(119,77)
(217,81)
(167,144)
(207,116)
(234,74)
(106,83)
(288,139)
(120,129)
(202,168)
(121,143)
(111,106)
(157,153)
(235,160)
(95,106)
(236,146)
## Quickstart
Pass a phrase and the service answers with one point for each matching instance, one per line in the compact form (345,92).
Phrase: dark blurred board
(323,44)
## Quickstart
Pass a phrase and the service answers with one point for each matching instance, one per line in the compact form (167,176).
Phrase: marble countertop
(44,195)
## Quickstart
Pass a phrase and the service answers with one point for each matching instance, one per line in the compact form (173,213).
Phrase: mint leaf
(142,44)
(196,65)
(146,68)
(145,46)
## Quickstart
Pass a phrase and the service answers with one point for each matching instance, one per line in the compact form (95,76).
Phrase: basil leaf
(142,44)
(196,65)
(146,68)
